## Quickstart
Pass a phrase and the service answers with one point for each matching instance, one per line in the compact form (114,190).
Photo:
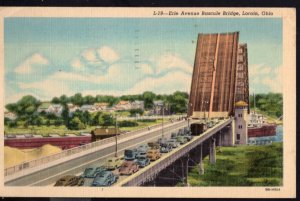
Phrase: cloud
(89,55)
(107,54)
(171,61)
(76,64)
(172,81)
(265,79)
(30,64)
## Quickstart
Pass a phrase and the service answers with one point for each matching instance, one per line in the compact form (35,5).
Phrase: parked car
(114,162)
(153,154)
(105,178)
(209,124)
(91,172)
(173,135)
(166,147)
(142,149)
(174,143)
(153,145)
(187,130)
(181,139)
(180,132)
(70,180)
(128,167)
(143,160)
(161,141)
(130,154)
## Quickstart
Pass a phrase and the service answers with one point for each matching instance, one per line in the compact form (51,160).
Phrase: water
(277,138)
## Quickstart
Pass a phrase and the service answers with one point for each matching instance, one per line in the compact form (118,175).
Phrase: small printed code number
(272,189)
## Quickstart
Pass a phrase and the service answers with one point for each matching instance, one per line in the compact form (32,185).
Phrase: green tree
(76,124)
(148,98)
(77,99)
(133,112)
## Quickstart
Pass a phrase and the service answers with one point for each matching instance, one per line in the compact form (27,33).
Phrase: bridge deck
(150,171)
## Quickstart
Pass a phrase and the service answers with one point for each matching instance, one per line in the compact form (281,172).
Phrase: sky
(48,57)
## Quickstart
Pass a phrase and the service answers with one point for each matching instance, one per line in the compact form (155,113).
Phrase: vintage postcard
(148,102)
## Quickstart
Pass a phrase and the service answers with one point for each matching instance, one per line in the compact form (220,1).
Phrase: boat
(258,127)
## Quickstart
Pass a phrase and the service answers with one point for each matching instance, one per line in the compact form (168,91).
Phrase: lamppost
(163,114)
(116,134)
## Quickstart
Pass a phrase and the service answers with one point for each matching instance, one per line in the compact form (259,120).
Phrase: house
(137,105)
(10,115)
(102,106)
(159,108)
(72,108)
(49,108)
(88,108)
(123,105)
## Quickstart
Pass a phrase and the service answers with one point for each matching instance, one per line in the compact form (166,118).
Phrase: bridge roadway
(48,173)
(149,172)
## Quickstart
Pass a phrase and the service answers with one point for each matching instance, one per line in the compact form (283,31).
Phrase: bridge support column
(212,151)
(228,135)
(201,165)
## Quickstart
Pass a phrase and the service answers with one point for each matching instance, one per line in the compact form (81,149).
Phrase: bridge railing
(68,152)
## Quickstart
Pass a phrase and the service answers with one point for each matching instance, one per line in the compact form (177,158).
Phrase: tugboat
(258,127)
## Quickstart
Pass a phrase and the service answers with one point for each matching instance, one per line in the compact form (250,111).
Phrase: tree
(77,99)
(55,100)
(76,124)
(65,115)
(148,98)
(89,100)
(178,102)
(63,99)
(133,112)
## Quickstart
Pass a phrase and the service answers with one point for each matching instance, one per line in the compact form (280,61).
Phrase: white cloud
(89,55)
(173,81)
(107,54)
(76,64)
(170,61)
(275,82)
(265,78)
(30,63)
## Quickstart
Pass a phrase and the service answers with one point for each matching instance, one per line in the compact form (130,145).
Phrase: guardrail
(150,172)
(40,161)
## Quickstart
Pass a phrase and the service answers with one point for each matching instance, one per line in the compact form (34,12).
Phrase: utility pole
(162,129)
(116,135)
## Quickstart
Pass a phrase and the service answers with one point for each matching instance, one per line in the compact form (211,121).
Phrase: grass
(242,166)
(62,130)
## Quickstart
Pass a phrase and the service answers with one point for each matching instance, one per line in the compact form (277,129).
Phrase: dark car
(128,167)
(105,178)
(173,135)
(143,160)
(130,154)
(70,180)
(142,150)
(166,147)
(174,143)
(91,172)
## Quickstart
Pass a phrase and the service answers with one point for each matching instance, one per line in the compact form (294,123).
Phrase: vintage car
(143,148)
(174,143)
(130,154)
(165,148)
(173,135)
(91,172)
(105,178)
(154,145)
(181,139)
(142,160)
(70,180)
(114,162)
(128,167)
(153,154)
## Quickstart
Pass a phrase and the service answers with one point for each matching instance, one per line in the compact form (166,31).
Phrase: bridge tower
(241,117)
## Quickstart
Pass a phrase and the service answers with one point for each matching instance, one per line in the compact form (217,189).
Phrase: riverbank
(242,166)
